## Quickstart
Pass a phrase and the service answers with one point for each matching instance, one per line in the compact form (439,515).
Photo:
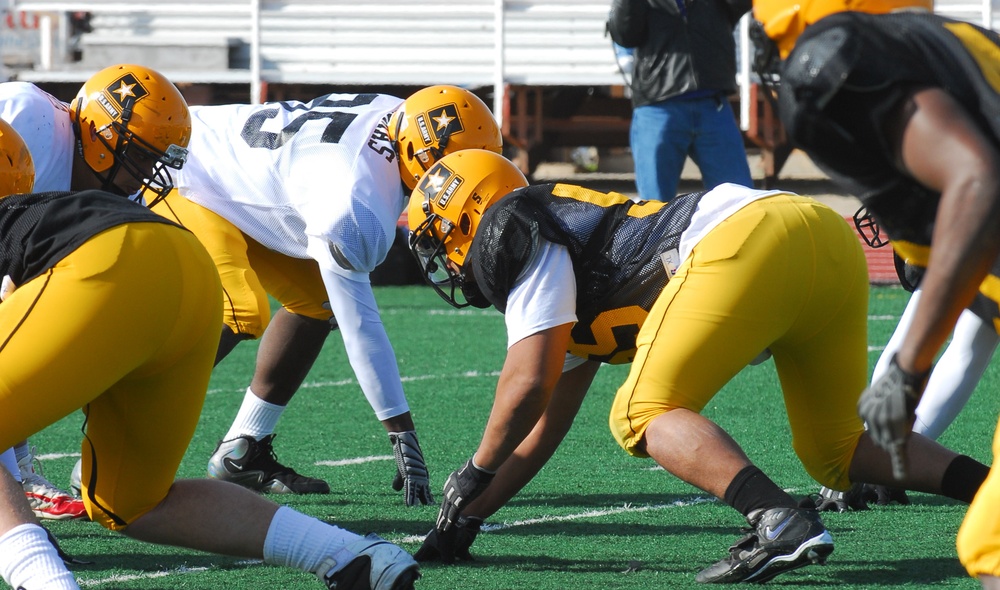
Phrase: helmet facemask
(427,243)
(869,228)
(138,159)
(444,213)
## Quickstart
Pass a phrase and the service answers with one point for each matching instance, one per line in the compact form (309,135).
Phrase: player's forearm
(515,412)
(965,245)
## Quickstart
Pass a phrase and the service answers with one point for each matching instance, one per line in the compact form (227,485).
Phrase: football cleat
(778,540)
(46,500)
(373,564)
(252,464)
(76,478)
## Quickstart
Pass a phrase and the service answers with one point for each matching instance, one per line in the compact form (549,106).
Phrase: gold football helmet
(445,210)
(17,172)
(130,118)
(437,121)
(784,20)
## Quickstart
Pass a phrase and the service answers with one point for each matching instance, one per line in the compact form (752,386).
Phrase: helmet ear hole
(465,224)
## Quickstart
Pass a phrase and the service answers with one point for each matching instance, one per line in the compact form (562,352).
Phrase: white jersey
(43,122)
(309,180)
(315,180)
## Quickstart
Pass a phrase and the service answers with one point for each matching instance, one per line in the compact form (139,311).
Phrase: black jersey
(618,249)
(38,230)
(848,70)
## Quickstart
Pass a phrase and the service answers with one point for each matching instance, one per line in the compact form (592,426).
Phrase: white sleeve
(956,374)
(544,296)
(368,348)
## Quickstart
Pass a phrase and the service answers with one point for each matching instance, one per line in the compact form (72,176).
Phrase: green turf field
(593,518)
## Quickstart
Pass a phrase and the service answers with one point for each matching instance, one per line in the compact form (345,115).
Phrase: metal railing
(497,22)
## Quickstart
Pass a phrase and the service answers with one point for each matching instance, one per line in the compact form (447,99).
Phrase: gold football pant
(785,273)
(979,537)
(123,327)
(249,271)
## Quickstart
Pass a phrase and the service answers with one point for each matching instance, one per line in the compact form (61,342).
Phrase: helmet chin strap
(471,291)
(107,180)
(118,150)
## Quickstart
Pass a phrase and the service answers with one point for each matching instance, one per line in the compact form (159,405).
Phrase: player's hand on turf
(462,487)
(884,495)
(452,545)
(888,408)
(834,501)
(411,471)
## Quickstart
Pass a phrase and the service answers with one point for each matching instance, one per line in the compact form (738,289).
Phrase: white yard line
(119,578)
(343,382)
(47,456)
(355,461)
(597,513)
(589,514)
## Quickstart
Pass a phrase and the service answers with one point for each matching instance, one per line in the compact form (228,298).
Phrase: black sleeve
(735,9)
(504,244)
(627,22)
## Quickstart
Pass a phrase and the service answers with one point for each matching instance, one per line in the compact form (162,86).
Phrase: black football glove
(888,408)
(856,498)
(860,497)
(451,545)
(884,496)
(462,487)
(411,471)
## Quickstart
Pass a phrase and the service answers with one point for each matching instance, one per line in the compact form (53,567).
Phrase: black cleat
(779,540)
(252,464)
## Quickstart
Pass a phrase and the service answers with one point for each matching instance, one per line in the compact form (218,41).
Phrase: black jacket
(675,54)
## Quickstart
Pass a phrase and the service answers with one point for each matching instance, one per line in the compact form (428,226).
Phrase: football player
(689,293)
(140,375)
(301,201)
(78,146)
(900,106)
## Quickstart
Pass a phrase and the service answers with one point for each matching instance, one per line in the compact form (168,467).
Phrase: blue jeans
(662,135)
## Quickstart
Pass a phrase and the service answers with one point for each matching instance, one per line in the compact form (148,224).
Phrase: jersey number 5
(317,109)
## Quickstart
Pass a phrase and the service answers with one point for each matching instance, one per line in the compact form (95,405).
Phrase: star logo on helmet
(439,184)
(446,120)
(125,88)
(432,182)
(442,121)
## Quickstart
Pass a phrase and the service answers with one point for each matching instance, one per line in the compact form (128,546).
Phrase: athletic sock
(8,460)
(256,418)
(751,489)
(303,542)
(28,560)
(22,450)
(963,477)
